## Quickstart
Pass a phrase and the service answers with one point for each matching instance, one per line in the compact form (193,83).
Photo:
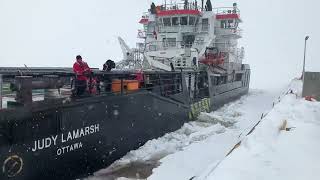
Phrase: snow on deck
(270,153)
(198,145)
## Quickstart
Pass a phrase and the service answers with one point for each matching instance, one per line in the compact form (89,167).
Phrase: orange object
(116,85)
(128,85)
(132,85)
(213,59)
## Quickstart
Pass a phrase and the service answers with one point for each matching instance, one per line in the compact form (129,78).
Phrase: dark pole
(1,91)
(202,5)
(304,56)
(165,4)
(304,60)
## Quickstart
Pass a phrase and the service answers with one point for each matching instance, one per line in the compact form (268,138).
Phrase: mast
(202,5)
(165,4)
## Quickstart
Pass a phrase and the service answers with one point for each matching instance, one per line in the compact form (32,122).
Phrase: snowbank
(236,118)
(285,145)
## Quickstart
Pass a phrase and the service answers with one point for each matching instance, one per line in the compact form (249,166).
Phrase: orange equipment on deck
(127,85)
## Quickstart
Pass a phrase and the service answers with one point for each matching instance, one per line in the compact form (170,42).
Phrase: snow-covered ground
(197,146)
(285,145)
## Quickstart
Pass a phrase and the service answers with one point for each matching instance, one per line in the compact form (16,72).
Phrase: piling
(1,87)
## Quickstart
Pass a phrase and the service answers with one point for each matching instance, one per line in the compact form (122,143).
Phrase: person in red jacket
(82,71)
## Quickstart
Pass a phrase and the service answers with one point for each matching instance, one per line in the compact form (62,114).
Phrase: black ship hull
(75,137)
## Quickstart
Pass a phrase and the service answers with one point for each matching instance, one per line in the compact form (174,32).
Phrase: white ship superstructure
(199,41)
(187,36)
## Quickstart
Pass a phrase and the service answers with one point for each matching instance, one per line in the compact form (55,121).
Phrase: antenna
(202,5)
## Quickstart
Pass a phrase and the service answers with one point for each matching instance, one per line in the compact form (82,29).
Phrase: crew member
(153,8)
(107,66)
(82,71)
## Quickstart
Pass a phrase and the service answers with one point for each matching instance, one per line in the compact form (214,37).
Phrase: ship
(188,61)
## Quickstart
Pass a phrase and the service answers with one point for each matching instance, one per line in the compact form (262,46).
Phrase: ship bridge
(227,22)
(173,24)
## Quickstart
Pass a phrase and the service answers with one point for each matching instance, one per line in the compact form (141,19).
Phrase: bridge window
(197,20)
(184,20)
(227,24)
(160,21)
(223,24)
(167,21)
(175,21)
(192,20)
(230,23)
(169,42)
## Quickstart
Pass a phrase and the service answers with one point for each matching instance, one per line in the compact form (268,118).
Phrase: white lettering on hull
(45,143)
(69,148)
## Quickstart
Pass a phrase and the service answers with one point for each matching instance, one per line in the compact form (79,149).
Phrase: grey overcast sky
(52,32)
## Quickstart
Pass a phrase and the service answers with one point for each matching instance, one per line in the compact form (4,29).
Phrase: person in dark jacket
(208,6)
(107,66)
(153,8)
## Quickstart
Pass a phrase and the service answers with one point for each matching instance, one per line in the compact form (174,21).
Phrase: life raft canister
(213,59)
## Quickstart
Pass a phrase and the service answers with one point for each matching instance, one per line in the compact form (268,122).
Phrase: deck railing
(226,10)
(108,84)
(180,6)
(165,45)
(185,28)
(228,31)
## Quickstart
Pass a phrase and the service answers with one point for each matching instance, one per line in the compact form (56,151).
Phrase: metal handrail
(228,31)
(180,27)
(164,45)
(168,84)
(226,10)
(179,6)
